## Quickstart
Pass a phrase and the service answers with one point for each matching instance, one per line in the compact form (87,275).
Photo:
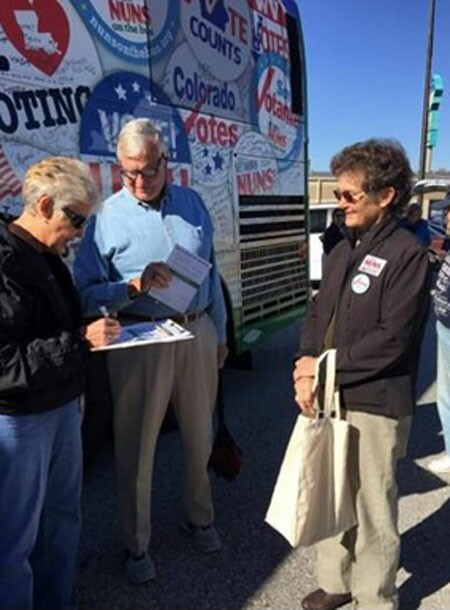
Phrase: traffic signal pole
(426,95)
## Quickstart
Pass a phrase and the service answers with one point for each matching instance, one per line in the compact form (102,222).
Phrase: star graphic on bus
(218,161)
(121,92)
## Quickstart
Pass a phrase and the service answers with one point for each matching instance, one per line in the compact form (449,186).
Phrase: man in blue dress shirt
(121,257)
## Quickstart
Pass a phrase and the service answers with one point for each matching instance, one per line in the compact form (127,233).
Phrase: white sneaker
(440,465)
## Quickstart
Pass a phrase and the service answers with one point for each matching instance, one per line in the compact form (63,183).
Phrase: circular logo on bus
(121,26)
(271,108)
(189,85)
(219,33)
(121,97)
(164,21)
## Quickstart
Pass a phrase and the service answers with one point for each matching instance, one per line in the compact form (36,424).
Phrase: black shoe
(321,600)
(139,568)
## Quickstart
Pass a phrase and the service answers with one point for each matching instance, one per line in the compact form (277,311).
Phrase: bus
(225,82)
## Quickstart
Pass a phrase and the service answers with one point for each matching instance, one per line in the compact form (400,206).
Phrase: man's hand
(303,384)
(222,353)
(102,332)
(155,275)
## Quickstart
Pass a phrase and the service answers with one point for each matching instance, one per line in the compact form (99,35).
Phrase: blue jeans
(40,487)
(443,380)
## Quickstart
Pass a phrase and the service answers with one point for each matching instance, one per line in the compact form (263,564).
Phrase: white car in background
(320,217)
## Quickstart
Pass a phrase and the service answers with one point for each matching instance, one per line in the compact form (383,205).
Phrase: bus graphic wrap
(219,77)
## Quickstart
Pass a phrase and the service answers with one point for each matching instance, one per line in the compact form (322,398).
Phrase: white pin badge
(360,283)
(372,265)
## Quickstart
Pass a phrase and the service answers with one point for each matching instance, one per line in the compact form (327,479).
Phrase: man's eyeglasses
(78,221)
(145,174)
(348,196)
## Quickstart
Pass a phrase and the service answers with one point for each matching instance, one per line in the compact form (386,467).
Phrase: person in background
(414,222)
(371,307)
(43,349)
(120,258)
(446,219)
(441,298)
(336,232)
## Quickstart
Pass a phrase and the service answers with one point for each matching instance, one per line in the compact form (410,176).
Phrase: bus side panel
(215,76)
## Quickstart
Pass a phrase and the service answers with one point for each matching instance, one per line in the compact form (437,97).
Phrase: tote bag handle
(331,400)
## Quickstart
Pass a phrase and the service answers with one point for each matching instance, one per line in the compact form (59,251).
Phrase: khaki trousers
(365,559)
(143,381)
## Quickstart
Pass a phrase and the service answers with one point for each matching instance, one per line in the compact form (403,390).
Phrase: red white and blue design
(219,33)
(164,24)
(271,110)
(119,98)
(120,26)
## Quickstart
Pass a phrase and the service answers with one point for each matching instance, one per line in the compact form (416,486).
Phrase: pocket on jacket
(369,393)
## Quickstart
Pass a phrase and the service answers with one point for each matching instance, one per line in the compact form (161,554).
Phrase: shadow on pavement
(260,413)
(426,555)
(425,551)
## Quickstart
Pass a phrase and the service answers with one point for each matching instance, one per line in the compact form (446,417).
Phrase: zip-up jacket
(41,349)
(372,307)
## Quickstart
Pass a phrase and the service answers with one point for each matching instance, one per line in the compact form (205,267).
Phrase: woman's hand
(303,384)
(102,332)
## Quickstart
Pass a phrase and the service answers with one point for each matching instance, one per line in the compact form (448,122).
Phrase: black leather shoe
(321,600)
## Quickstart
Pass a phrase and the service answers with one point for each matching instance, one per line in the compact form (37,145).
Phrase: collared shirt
(126,235)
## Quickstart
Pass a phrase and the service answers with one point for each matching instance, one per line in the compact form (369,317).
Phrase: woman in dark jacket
(43,347)
(371,307)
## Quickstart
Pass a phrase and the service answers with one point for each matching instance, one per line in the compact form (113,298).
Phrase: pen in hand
(104,311)
(104,330)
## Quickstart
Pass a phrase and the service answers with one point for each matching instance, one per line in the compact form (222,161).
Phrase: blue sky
(366,70)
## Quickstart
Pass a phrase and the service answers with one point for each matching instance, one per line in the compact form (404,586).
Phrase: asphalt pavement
(256,568)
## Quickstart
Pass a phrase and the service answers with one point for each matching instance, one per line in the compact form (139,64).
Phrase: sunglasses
(78,221)
(146,174)
(348,196)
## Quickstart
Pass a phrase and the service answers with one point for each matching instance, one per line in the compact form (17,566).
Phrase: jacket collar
(375,234)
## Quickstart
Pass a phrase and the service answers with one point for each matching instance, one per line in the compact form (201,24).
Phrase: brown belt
(181,319)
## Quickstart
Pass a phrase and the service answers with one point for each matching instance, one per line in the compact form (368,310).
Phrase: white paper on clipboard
(146,333)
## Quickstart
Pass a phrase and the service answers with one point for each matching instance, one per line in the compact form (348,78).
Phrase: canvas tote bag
(312,499)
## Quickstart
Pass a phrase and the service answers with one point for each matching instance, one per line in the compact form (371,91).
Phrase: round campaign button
(360,283)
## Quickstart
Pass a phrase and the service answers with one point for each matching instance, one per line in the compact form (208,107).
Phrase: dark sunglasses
(145,174)
(78,221)
(348,196)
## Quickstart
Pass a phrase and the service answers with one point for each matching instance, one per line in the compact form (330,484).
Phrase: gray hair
(135,137)
(64,179)
(384,164)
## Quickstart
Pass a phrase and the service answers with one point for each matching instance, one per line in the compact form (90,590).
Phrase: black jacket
(379,292)
(42,352)
(332,236)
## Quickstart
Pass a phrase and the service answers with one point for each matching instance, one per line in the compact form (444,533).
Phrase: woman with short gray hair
(43,349)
